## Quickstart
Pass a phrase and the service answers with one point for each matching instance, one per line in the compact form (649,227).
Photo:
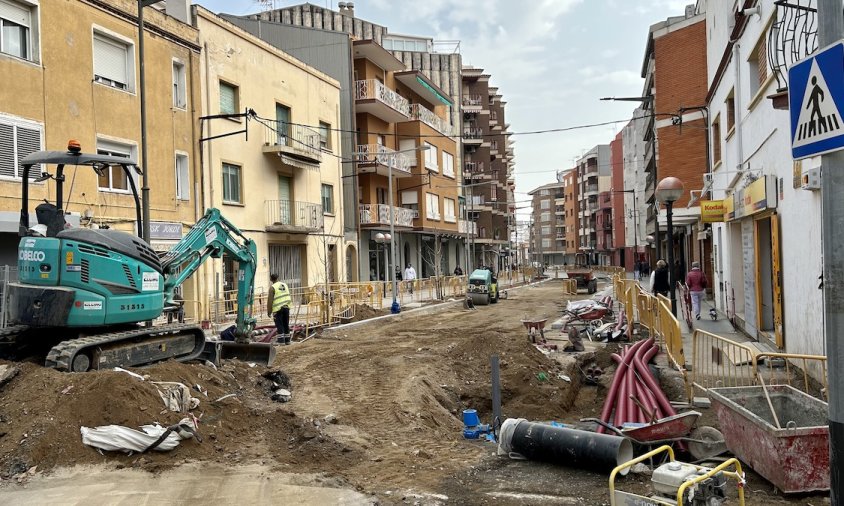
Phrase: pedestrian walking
(659,279)
(409,276)
(697,283)
(637,270)
(458,271)
(278,307)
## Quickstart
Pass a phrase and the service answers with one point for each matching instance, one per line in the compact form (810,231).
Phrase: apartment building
(91,94)
(593,177)
(415,85)
(280,184)
(634,179)
(769,286)
(675,70)
(547,242)
(488,161)
(571,214)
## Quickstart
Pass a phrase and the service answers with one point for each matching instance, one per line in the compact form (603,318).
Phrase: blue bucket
(470,418)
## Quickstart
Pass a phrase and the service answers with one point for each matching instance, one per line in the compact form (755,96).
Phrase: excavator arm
(212,236)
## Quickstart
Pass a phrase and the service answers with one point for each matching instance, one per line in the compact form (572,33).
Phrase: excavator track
(128,348)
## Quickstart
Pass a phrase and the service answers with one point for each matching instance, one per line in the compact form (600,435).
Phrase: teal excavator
(87,295)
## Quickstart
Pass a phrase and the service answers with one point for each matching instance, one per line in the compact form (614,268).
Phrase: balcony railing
(374,89)
(379,214)
(474,167)
(421,113)
(473,133)
(494,145)
(493,116)
(590,188)
(297,137)
(465,226)
(384,156)
(293,215)
(473,100)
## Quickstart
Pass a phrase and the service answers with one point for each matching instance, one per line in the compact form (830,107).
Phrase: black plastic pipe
(567,447)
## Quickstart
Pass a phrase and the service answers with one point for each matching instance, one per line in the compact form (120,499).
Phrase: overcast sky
(551,59)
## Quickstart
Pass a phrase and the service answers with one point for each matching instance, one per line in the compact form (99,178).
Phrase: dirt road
(375,412)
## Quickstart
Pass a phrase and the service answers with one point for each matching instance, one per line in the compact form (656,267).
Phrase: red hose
(609,402)
(645,373)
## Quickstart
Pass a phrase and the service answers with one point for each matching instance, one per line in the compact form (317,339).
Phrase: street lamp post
(145,233)
(395,307)
(669,190)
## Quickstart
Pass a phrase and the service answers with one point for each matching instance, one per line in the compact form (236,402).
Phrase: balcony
(473,103)
(420,113)
(379,214)
(372,97)
(590,190)
(493,147)
(467,227)
(473,168)
(293,217)
(376,159)
(493,118)
(296,145)
(473,136)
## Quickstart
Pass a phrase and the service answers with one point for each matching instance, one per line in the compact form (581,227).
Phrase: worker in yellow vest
(278,307)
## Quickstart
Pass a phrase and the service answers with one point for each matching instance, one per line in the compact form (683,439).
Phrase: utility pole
(145,233)
(830,30)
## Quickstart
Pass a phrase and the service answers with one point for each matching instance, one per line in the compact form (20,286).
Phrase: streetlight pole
(830,30)
(142,94)
(669,190)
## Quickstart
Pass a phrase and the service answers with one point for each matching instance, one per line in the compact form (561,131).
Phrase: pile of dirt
(41,411)
(365,312)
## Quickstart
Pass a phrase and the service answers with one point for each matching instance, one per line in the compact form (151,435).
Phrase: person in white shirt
(409,276)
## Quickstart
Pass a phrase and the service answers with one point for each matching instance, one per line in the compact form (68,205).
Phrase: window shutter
(28,142)
(182,178)
(110,60)
(227,99)
(14,13)
(7,151)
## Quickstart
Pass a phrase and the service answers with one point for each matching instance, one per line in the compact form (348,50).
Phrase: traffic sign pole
(830,30)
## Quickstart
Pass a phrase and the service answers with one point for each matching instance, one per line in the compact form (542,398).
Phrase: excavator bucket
(258,353)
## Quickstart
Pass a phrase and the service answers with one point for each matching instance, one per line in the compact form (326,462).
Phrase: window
(327,199)
(228,98)
(433,206)
(545,205)
(546,230)
(231,184)
(716,140)
(731,111)
(493,193)
(180,100)
(17,140)
(545,217)
(448,164)
(410,200)
(546,243)
(449,210)
(758,65)
(182,177)
(114,178)
(324,136)
(406,146)
(431,157)
(114,62)
(16,22)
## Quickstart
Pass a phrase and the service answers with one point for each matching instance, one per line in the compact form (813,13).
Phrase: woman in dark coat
(659,279)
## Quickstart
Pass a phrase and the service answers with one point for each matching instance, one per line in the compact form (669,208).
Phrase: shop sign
(712,211)
(729,208)
(755,198)
(165,230)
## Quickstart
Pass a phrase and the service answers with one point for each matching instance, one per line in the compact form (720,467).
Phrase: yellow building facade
(278,177)
(71,71)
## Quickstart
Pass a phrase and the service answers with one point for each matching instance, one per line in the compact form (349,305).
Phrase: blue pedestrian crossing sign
(815,101)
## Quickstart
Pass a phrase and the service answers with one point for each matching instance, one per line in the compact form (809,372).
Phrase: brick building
(548,238)
(675,71)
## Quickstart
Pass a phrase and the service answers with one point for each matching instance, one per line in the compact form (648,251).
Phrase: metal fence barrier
(812,366)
